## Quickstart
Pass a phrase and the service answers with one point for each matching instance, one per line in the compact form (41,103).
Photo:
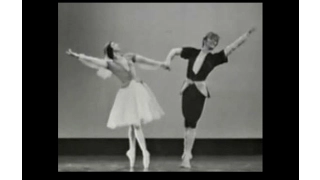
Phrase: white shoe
(132,157)
(185,163)
(186,157)
(146,160)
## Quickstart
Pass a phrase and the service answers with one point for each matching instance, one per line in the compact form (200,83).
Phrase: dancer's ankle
(187,155)
(131,151)
(183,154)
(145,153)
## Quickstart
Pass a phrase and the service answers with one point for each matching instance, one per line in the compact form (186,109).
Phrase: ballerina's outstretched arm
(92,62)
(100,64)
(147,63)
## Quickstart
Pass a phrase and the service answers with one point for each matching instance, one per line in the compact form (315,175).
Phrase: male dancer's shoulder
(190,48)
(189,52)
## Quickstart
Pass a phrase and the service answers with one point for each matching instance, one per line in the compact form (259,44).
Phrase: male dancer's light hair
(211,35)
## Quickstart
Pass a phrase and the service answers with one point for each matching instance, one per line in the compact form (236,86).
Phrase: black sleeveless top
(209,63)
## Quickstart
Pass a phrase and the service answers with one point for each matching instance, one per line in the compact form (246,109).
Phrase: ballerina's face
(115,46)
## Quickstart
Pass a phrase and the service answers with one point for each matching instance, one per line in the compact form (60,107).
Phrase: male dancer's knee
(190,123)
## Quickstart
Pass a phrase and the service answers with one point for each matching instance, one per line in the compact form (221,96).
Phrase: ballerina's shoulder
(130,57)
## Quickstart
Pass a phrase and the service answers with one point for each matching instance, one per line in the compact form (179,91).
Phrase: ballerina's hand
(69,52)
(166,66)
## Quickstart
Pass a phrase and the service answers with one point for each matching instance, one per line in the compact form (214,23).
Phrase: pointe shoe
(131,155)
(146,160)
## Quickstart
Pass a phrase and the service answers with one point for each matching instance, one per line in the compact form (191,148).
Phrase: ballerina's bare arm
(150,62)
(89,61)
(145,63)
(144,60)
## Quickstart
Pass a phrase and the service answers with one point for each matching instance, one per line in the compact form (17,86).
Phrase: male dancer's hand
(252,30)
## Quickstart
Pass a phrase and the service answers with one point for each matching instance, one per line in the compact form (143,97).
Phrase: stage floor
(160,163)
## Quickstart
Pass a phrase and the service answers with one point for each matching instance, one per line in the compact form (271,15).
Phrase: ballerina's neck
(117,56)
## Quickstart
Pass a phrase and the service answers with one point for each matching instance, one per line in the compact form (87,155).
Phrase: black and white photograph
(160,87)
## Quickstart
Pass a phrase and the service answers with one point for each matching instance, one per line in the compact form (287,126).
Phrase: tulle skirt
(134,105)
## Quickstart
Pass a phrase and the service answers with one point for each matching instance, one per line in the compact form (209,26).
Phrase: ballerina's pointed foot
(131,155)
(146,160)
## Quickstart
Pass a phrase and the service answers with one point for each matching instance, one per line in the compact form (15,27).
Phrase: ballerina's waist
(127,83)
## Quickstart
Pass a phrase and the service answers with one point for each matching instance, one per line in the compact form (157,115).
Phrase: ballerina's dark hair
(108,50)
(210,35)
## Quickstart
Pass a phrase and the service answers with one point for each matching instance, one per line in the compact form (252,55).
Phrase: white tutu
(134,105)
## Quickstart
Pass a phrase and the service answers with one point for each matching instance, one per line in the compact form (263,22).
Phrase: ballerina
(135,104)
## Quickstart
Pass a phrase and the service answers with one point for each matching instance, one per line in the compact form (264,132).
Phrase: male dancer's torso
(199,67)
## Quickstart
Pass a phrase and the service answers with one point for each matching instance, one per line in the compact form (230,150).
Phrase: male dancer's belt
(201,86)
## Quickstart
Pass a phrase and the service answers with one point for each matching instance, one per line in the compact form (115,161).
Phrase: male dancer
(194,90)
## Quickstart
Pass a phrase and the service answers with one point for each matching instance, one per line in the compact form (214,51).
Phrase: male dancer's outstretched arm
(237,43)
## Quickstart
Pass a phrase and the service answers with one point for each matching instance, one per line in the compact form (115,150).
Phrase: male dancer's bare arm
(237,43)
(173,52)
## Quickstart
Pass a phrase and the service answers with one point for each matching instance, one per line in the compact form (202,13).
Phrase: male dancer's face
(210,43)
